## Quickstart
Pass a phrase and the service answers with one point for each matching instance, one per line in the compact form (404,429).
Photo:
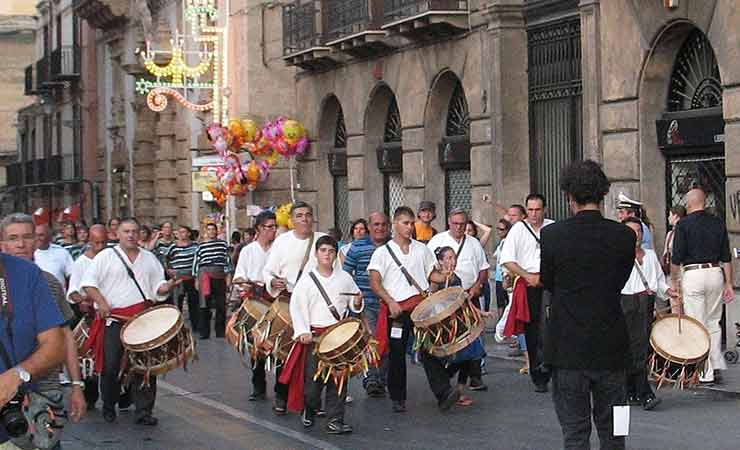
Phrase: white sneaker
(349,399)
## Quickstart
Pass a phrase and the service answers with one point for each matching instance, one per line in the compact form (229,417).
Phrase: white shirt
(285,257)
(308,307)
(469,263)
(78,269)
(108,274)
(56,260)
(522,248)
(252,260)
(653,275)
(419,263)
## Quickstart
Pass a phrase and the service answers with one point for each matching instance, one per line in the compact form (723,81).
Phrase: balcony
(302,39)
(30,82)
(425,18)
(66,63)
(102,14)
(43,77)
(353,27)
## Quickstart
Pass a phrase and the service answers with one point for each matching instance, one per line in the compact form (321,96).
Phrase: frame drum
(681,348)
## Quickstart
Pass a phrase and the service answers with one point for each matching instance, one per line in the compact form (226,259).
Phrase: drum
(446,322)
(241,322)
(344,350)
(80,334)
(680,354)
(273,334)
(157,341)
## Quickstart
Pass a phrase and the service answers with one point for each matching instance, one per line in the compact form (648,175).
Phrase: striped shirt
(181,258)
(356,262)
(212,253)
(161,248)
(75,249)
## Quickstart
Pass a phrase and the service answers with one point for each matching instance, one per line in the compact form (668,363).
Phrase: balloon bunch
(287,136)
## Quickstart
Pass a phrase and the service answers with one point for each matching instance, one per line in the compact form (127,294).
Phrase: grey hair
(14,218)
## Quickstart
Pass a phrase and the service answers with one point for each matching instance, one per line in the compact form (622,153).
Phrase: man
(626,207)
(586,261)
(701,271)
(98,238)
(355,263)
(423,229)
(289,258)
(178,260)
(116,293)
(249,269)
(520,255)
(399,276)
(472,269)
(324,286)
(32,339)
(50,257)
(638,305)
(516,213)
(212,268)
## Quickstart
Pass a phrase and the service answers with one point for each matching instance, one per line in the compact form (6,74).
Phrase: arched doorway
(390,159)
(332,174)
(454,152)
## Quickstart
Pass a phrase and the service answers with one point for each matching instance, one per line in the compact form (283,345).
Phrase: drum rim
(169,365)
(278,353)
(674,359)
(358,337)
(462,296)
(156,342)
(450,349)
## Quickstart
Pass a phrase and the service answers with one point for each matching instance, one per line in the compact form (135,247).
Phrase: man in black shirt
(702,250)
(585,262)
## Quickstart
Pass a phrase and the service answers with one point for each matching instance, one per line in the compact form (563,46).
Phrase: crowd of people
(577,297)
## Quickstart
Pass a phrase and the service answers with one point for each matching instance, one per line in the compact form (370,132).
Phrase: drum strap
(130,274)
(642,276)
(405,272)
(305,258)
(329,304)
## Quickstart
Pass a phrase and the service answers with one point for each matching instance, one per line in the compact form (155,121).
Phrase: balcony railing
(301,26)
(348,17)
(394,10)
(66,62)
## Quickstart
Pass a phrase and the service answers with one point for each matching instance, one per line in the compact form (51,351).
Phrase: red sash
(519,312)
(96,340)
(294,372)
(381,330)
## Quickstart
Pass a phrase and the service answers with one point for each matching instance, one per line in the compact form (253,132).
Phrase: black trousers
(217,301)
(438,375)
(187,290)
(142,396)
(572,393)
(334,400)
(397,356)
(535,334)
(638,313)
(259,380)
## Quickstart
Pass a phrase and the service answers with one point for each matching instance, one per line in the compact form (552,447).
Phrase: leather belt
(688,267)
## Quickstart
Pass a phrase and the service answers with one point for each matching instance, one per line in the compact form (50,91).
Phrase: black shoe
(256,396)
(540,388)
(650,403)
(279,407)
(307,418)
(476,384)
(109,416)
(336,426)
(147,420)
(452,397)
(399,406)
(375,391)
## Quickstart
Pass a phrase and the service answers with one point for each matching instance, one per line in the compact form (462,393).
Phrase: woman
(357,231)
(69,240)
(145,236)
(83,233)
(502,297)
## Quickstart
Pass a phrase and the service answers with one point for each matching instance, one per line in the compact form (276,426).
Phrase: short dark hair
(505,223)
(236,236)
(521,208)
(212,224)
(263,217)
(585,182)
(110,221)
(679,210)
(536,196)
(326,240)
(297,205)
(128,220)
(250,231)
(403,211)
(633,220)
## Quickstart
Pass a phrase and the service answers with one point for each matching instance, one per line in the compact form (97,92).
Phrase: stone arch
(329,112)
(376,112)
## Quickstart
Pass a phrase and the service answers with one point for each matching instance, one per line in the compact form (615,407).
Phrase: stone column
(591,77)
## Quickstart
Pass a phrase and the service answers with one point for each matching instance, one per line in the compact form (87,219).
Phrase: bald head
(378,224)
(97,240)
(695,200)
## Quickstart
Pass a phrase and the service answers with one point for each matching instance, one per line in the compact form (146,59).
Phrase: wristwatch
(23,374)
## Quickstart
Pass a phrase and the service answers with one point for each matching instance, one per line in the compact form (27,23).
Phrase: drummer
(311,315)
(249,268)
(108,283)
(290,256)
(472,269)
(638,304)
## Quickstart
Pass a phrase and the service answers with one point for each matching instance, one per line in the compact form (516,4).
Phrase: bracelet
(79,383)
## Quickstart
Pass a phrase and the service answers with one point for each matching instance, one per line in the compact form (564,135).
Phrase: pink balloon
(221,145)
(302,146)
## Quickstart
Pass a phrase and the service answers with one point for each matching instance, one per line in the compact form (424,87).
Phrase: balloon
(283,148)
(262,147)
(273,159)
(282,215)
(265,171)
(302,146)
(251,131)
(253,172)
(215,130)
(293,131)
(221,145)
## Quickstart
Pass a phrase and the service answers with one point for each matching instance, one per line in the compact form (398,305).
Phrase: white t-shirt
(56,260)
(252,260)
(108,274)
(285,257)
(522,248)
(653,275)
(469,263)
(419,263)
(78,270)
(308,307)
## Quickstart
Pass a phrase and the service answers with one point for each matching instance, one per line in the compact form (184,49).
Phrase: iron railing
(348,17)
(394,10)
(301,26)
(66,62)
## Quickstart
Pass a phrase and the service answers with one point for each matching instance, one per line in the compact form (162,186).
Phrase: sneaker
(476,384)
(336,426)
(147,420)
(109,416)
(348,400)
(399,406)
(256,396)
(650,403)
(279,407)
(307,418)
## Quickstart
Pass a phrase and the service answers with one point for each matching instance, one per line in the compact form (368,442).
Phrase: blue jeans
(376,375)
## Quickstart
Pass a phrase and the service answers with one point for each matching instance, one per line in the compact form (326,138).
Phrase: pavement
(207,408)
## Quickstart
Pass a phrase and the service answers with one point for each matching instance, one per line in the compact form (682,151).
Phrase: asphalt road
(207,408)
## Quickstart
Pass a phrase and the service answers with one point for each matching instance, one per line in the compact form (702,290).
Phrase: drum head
(692,343)
(282,310)
(338,336)
(256,308)
(150,325)
(436,304)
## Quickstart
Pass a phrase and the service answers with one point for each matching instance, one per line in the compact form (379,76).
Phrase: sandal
(524,370)
(464,401)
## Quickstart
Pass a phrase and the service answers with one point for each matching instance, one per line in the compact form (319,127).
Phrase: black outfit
(397,356)
(217,301)
(535,331)
(334,404)
(585,262)
(188,291)
(638,314)
(700,238)
(259,380)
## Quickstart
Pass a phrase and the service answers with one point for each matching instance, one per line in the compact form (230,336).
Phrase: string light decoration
(204,41)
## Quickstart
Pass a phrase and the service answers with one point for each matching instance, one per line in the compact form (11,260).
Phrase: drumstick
(350,293)
(120,317)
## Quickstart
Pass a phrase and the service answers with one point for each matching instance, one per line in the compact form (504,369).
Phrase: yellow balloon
(293,131)
(282,216)
(251,131)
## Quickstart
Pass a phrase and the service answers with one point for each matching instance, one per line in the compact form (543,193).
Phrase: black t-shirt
(700,238)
